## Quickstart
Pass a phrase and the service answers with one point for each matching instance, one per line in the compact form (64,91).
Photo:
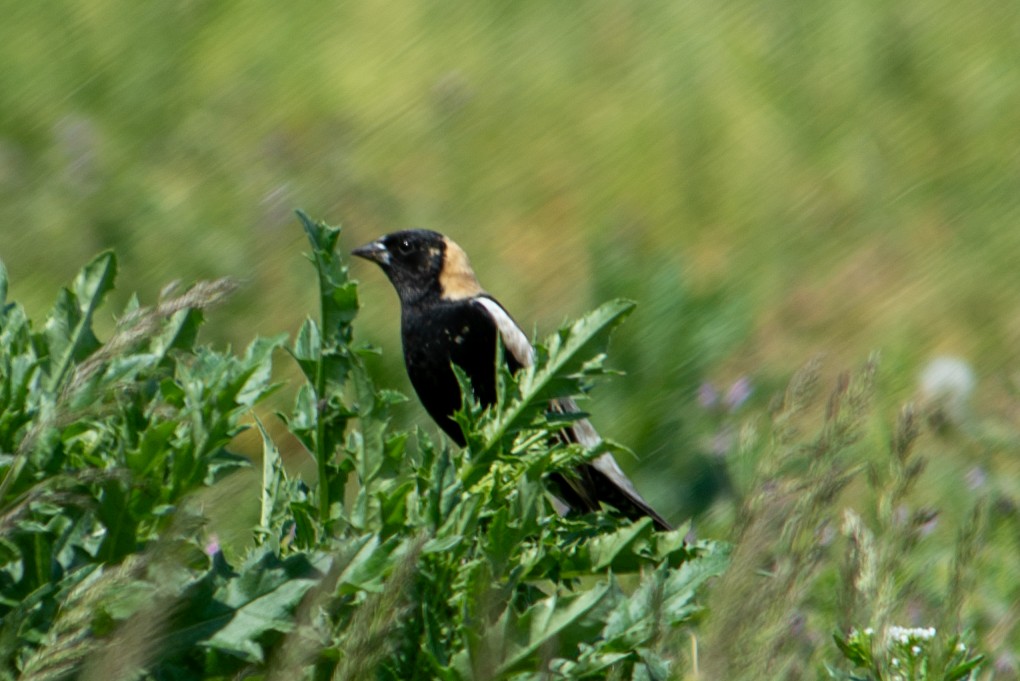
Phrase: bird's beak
(374,251)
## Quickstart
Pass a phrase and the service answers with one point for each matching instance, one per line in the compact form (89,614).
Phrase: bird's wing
(586,489)
(515,341)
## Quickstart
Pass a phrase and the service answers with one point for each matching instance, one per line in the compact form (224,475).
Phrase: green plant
(907,654)
(805,561)
(102,444)
(406,559)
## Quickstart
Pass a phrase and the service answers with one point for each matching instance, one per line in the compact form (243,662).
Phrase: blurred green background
(768,179)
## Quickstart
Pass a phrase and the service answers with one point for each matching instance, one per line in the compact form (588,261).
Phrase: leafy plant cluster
(908,654)
(407,559)
(827,545)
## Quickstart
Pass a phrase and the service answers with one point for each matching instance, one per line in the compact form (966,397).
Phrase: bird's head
(421,263)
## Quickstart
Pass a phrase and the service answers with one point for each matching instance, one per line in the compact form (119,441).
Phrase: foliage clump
(406,559)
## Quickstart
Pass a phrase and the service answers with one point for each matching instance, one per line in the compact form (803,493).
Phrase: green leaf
(592,663)
(852,651)
(337,294)
(306,349)
(553,624)
(606,549)
(681,584)
(963,670)
(366,569)
(272,480)
(179,332)
(652,667)
(68,329)
(442,545)
(570,356)
(304,418)
(571,352)
(261,599)
(259,359)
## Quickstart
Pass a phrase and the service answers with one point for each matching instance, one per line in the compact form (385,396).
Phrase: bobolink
(446,317)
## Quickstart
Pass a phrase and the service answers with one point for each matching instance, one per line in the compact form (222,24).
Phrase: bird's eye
(404,247)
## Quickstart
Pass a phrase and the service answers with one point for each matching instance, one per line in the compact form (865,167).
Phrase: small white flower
(905,634)
(916,650)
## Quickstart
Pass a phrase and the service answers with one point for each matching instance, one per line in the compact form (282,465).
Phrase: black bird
(446,317)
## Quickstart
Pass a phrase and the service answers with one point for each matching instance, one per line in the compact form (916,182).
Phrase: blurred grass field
(769,180)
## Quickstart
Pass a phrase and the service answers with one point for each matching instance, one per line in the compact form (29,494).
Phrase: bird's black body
(447,318)
(437,333)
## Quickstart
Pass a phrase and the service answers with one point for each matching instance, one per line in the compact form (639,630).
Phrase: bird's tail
(602,480)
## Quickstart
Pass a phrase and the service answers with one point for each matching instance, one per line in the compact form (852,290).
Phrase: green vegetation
(408,559)
(432,563)
(767,180)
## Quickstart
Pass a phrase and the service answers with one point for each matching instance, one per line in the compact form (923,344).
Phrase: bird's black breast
(434,336)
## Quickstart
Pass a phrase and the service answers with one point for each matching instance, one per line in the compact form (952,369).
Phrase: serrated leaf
(555,621)
(368,566)
(68,329)
(260,599)
(606,549)
(259,357)
(306,348)
(571,355)
(571,349)
(337,294)
(592,663)
(270,612)
(272,479)
(682,583)
(178,333)
(664,597)
(652,667)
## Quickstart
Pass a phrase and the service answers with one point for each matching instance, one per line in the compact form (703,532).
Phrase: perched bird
(447,317)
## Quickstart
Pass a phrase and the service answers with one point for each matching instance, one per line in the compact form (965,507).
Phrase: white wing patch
(514,340)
